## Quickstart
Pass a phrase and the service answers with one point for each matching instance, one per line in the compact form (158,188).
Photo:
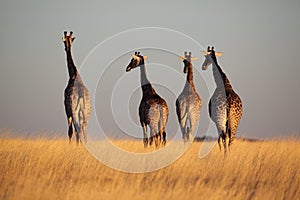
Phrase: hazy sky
(259,40)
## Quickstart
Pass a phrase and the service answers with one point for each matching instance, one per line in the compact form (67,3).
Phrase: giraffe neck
(190,76)
(71,66)
(220,77)
(145,84)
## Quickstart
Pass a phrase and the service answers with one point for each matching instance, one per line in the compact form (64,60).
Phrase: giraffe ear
(195,58)
(134,56)
(205,53)
(145,57)
(218,54)
(73,39)
(181,58)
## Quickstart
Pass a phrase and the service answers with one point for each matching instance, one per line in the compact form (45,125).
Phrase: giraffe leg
(231,136)
(78,119)
(229,144)
(161,127)
(187,136)
(158,137)
(159,131)
(164,138)
(232,131)
(219,142)
(82,126)
(229,139)
(224,143)
(186,130)
(84,131)
(190,132)
(181,119)
(183,126)
(153,136)
(145,139)
(70,131)
(183,130)
(157,140)
(228,131)
(77,129)
(220,137)
(161,138)
(162,133)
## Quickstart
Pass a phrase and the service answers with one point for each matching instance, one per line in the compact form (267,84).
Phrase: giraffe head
(210,57)
(136,61)
(68,40)
(187,60)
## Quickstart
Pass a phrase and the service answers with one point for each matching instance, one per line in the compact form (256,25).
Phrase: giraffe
(153,110)
(225,106)
(188,104)
(77,99)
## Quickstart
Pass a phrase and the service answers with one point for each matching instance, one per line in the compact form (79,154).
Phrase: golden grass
(53,169)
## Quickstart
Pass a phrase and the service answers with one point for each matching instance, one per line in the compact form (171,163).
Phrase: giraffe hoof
(145,142)
(151,140)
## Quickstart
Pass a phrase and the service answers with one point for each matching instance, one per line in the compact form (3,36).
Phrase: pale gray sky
(259,40)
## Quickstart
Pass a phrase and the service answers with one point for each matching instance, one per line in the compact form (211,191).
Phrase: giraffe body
(77,99)
(153,109)
(153,112)
(225,105)
(188,104)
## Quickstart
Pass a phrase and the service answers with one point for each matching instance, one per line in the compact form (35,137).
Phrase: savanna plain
(54,169)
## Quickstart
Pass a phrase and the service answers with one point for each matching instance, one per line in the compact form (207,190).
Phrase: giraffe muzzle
(128,69)
(204,67)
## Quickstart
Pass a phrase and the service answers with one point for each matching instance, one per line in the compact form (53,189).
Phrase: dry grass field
(53,169)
